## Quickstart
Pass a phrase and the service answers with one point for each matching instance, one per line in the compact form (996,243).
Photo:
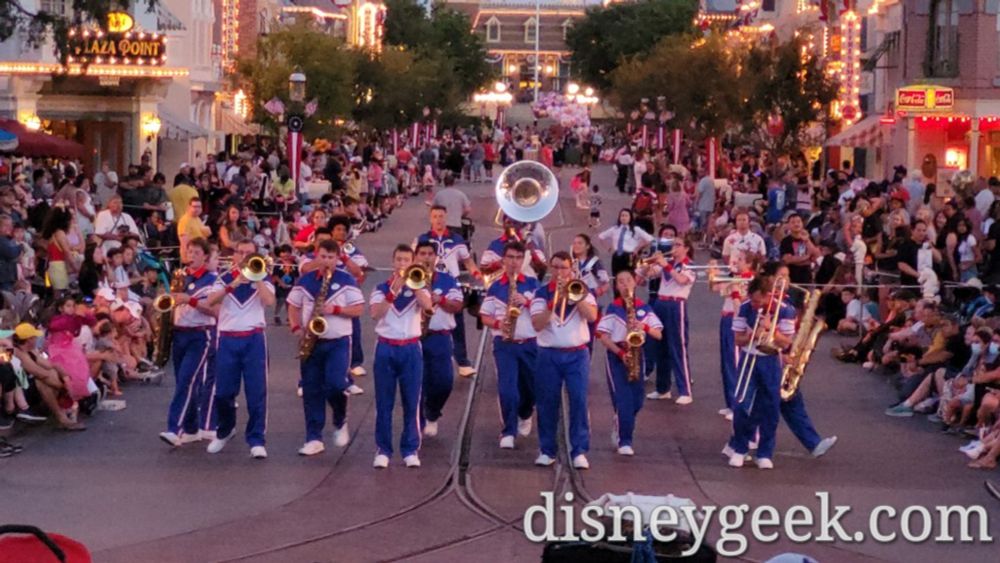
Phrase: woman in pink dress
(64,351)
(678,203)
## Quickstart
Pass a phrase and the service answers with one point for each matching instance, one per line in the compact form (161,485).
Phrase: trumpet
(256,267)
(416,276)
(347,248)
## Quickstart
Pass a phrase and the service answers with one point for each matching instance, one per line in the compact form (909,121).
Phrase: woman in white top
(967,251)
(625,240)
(639,167)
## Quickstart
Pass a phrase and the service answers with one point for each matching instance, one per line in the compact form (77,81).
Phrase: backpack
(643,204)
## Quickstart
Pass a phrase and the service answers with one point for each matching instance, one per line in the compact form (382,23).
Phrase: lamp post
(295,123)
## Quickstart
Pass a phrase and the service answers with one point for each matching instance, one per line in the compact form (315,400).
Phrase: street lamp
(297,86)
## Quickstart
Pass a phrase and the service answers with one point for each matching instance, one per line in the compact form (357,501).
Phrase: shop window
(942,40)
(767,5)
(569,23)
(530,30)
(493,30)
(55,7)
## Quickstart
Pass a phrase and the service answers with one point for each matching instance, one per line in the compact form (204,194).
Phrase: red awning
(35,143)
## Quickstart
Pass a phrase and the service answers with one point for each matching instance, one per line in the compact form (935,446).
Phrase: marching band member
(437,344)
(671,307)
(625,241)
(733,294)
(397,310)
(589,266)
(241,353)
(452,249)
(354,262)
(562,358)
(759,408)
(492,259)
(324,372)
(615,324)
(742,239)
(514,349)
(793,411)
(190,417)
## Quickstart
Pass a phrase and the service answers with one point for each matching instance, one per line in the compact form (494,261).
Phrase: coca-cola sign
(925,98)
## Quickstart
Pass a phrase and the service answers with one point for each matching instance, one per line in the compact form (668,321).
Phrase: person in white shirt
(742,239)
(324,371)
(563,358)
(625,240)
(399,361)
(241,354)
(190,418)
(112,224)
(514,349)
(626,393)
(671,307)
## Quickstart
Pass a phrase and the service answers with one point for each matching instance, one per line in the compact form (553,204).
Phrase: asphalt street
(126,495)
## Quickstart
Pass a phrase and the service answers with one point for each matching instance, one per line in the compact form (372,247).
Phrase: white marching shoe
(191,438)
(656,396)
(824,446)
(171,438)
(507,443)
(684,400)
(358,371)
(412,460)
(431,429)
(341,436)
(258,452)
(355,390)
(626,450)
(544,461)
(580,462)
(312,447)
(216,445)
(764,463)
(381,461)
(524,426)
(736,460)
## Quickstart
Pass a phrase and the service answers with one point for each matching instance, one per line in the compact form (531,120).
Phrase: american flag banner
(395,141)
(311,107)
(677,146)
(415,137)
(660,137)
(645,135)
(274,106)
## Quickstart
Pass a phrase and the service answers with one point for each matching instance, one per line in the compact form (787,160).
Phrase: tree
(442,33)
(37,26)
(608,36)
(329,66)
(380,102)
(699,80)
(784,81)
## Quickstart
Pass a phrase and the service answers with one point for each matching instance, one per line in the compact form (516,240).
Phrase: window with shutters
(493,30)
(942,39)
(530,30)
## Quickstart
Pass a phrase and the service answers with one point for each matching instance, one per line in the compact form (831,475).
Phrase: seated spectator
(48,384)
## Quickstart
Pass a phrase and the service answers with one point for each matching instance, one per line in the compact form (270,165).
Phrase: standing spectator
(112,224)
(704,201)
(10,251)
(456,204)
(105,184)
(798,251)
(190,227)
(677,209)
(61,257)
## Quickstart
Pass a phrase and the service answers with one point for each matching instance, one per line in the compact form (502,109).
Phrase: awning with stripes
(864,134)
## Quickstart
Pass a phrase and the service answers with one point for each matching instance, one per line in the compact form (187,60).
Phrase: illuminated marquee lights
(371,25)
(230,33)
(848,71)
(129,47)
(92,70)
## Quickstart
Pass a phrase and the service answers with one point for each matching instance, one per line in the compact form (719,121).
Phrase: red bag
(28,544)
(643,203)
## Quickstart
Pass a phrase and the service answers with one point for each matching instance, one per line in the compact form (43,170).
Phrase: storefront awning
(865,133)
(176,128)
(37,144)
(231,124)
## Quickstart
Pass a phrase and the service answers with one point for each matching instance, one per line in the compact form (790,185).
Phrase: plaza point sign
(117,42)
(921,98)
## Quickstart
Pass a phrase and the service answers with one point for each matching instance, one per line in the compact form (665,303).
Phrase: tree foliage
(35,26)
(329,66)
(716,86)
(393,89)
(610,35)
(443,34)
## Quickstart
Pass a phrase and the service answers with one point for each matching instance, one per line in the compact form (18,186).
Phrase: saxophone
(634,339)
(164,305)
(802,347)
(425,317)
(510,320)
(317,324)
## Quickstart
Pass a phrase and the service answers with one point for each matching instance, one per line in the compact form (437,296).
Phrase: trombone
(572,291)
(255,267)
(416,277)
(761,341)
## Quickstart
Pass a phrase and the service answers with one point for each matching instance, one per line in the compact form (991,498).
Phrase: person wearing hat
(49,380)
